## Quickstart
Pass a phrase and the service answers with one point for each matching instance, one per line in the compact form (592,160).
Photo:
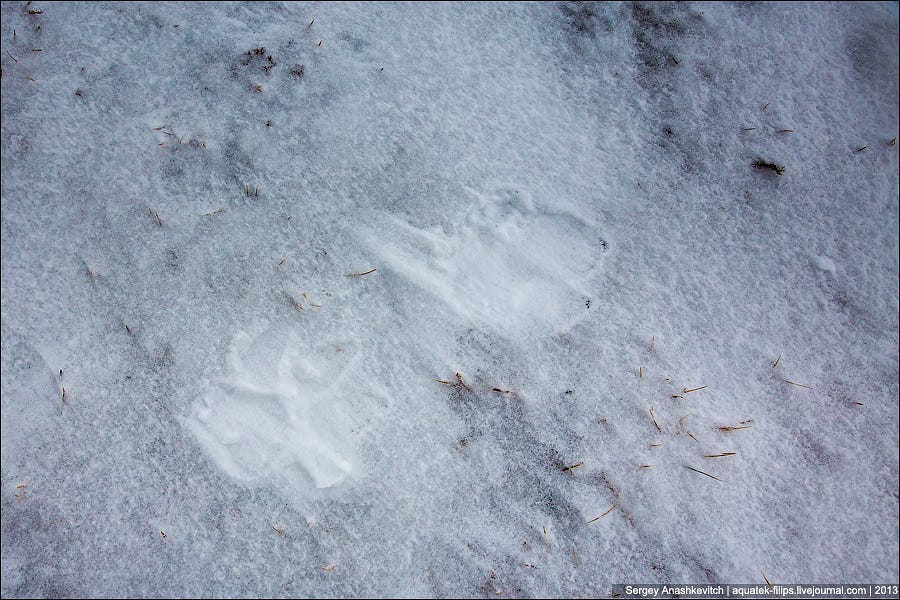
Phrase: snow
(468,307)
(286,423)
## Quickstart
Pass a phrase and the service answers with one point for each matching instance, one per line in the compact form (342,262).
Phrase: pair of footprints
(284,414)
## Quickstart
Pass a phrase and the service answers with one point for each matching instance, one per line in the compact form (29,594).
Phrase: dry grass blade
(361,274)
(777,360)
(702,473)
(735,427)
(296,304)
(766,578)
(278,531)
(612,489)
(459,381)
(572,467)
(646,466)
(652,416)
(500,391)
(215,212)
(611,508)
(722,455)
(797,384)
(696,389)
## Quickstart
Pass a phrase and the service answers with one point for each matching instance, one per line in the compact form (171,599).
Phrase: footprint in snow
(282,415)
(506,263)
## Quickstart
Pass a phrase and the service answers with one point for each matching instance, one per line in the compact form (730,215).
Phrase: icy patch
(280,415)
(506,263)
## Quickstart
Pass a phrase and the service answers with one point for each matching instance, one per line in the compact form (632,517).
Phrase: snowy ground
(561,207)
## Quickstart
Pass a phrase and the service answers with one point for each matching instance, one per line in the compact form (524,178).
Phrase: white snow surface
(368,299)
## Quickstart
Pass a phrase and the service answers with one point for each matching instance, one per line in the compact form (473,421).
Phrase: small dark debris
(569,391)
(762,164)
(79,93)
(587,303)
(268,122)
(297,71)
(858,150)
